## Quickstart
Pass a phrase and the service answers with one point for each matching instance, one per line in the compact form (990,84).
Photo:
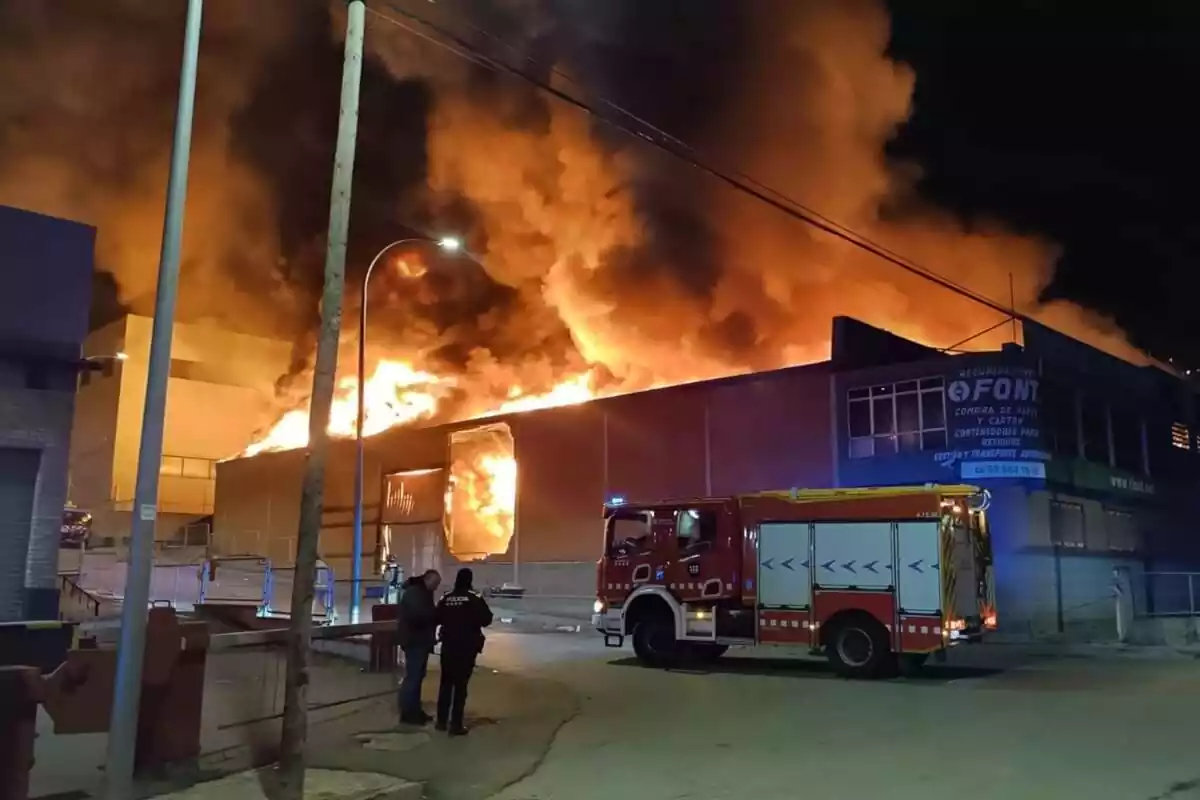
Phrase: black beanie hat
(464,579)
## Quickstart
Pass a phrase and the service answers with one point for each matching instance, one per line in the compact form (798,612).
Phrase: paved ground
(243,699)
(558,716)
(997,725)
(561,717)
(353,723)
(319,784)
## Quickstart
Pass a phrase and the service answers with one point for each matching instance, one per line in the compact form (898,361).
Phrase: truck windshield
(627,532)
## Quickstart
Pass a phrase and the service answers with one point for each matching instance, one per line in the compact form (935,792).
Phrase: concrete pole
(122,737)
(295,701)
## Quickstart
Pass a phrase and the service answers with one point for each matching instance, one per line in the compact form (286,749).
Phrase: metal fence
(1171,594)
(245,678)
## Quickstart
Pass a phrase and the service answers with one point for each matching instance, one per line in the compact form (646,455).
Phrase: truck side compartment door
(919,585)
(785,582)
(853,570)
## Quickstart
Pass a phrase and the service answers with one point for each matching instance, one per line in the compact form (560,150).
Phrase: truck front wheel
(858,647)
(654,641)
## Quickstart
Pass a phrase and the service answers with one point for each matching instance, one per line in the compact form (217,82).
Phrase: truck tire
(654,641)
(858,647)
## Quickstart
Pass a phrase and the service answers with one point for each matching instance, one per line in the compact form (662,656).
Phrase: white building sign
(994,423)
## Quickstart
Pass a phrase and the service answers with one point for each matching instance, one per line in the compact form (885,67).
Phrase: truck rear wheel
(654,641)
(858,647)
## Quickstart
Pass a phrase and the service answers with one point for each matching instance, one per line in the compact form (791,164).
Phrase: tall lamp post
(448,244)
(128,683)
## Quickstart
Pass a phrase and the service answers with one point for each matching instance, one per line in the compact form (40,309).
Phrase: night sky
(1076,121)
(1069,120)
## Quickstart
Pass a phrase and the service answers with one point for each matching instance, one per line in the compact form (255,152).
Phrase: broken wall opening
(481,493)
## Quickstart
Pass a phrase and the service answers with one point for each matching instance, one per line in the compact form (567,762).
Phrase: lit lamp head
(451,244)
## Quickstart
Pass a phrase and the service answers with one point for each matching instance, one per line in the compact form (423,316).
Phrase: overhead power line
(620,118)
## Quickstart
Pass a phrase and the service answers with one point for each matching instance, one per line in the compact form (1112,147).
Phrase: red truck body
(873,578)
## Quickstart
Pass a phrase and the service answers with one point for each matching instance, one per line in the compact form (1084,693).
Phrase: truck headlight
(598,607)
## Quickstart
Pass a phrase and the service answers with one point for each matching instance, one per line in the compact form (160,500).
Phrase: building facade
(1083,457)
(219,394)
(1089,461)
(47,265)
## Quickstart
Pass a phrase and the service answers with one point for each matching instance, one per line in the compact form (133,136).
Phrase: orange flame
(483,486)
(395,394)
(482,499)
(399,394)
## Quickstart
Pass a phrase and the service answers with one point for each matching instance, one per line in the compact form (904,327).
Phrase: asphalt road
(995,724)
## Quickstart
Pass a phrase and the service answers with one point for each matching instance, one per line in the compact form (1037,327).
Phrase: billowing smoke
(596,250)
(85,130)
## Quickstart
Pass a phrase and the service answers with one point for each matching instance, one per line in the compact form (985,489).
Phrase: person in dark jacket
(462,615)
(417,628)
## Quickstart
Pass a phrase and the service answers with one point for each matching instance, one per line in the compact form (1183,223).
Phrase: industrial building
(219,394)
(1090,462)
(47,265)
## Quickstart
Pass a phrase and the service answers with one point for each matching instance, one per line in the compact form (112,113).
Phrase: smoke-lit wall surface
(46,266)
(220,391)
(1090,461)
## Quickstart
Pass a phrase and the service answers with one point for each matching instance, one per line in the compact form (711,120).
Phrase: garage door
(18,475)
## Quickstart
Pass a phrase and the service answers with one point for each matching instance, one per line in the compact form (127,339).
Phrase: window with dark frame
(1061,427)
(1127,441)
(903,417)
(1094,416)
(694,526)
(628,534)
(1066,524)
(187,467)
(1181,436)
(1121,530)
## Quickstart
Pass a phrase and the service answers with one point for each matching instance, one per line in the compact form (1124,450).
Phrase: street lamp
(96,361)
(448,244)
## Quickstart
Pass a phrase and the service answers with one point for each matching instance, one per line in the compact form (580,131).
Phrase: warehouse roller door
(18,477)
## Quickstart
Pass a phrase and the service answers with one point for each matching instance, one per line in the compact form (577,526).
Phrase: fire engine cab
(875,579)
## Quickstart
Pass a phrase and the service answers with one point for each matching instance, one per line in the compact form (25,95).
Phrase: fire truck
(875,579)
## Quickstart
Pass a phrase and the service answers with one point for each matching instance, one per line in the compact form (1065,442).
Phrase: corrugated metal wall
(759,432)
(763,432)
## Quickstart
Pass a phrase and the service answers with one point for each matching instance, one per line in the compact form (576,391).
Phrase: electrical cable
(684,152)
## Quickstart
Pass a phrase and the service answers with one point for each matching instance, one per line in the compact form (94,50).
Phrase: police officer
(463,615)
(416,626)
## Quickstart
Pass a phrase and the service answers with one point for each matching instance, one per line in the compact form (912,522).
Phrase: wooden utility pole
(295,704)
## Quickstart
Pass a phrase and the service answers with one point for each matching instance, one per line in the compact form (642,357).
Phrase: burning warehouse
(519,494)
